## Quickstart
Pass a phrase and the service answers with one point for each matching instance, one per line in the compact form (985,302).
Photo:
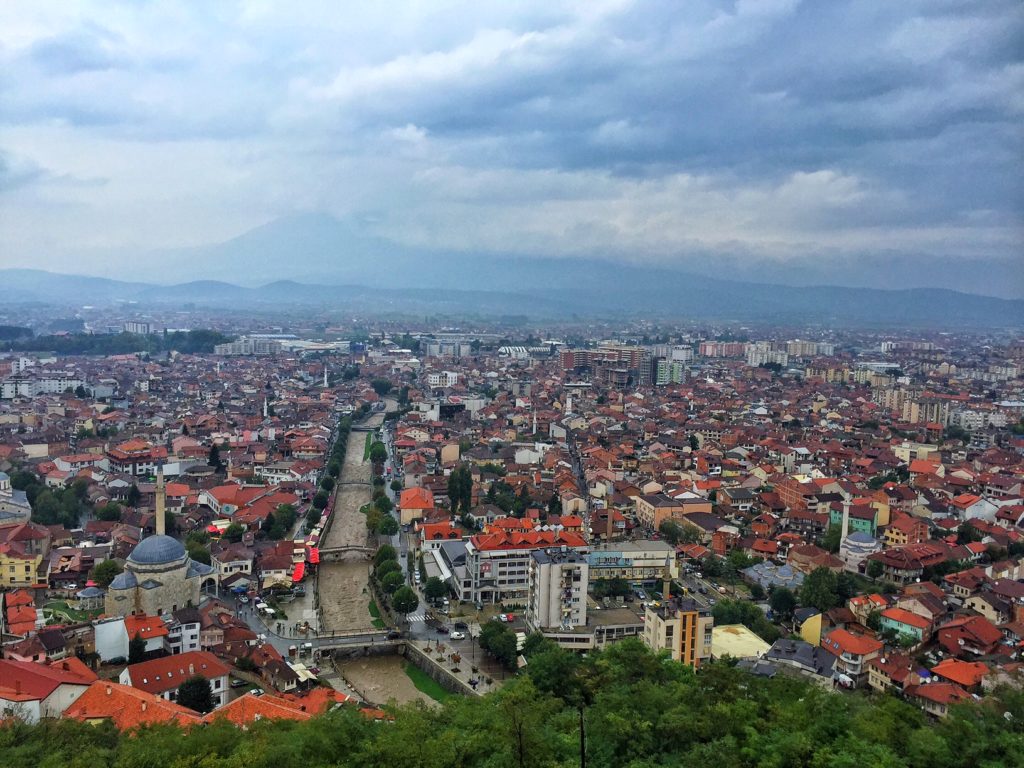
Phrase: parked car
(236,683)
(442,630)
(510,616)
(457,635)
(243,600)
(461,625)
(503,618)
(394,634)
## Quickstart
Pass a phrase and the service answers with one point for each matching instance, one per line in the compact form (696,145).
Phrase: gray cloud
(763,132)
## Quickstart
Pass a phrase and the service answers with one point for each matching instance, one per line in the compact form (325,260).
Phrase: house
(163,676)
(852,653)
(126,707)
(415,504)
(936,698)
(969,675)
(905,624)
(893,672)
(31,691)
(969,635)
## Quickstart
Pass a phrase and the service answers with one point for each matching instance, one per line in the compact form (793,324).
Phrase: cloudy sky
(663,132)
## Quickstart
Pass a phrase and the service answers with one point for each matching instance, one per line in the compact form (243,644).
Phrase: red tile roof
(127,707)
(167,673)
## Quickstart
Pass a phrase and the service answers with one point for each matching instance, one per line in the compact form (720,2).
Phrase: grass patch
(424,683)
(378,622)
(61,608)
(366,446)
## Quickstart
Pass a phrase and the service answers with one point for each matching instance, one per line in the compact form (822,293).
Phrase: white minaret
(846,521)
(568,403)
(325,375)
(161,493)
(266,407)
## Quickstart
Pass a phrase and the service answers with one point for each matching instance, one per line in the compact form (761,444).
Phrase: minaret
(325,375)
(846,521)
(266,407)
(161,493)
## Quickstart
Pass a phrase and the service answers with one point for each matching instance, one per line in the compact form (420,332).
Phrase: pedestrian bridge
(334,554)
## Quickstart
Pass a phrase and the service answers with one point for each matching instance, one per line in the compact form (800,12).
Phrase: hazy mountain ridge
(651,293)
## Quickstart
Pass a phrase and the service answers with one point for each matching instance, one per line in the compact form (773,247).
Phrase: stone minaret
(161,494)
(846,521)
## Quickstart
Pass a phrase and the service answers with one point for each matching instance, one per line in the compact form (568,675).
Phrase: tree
(782,601)
(694,443)
(499,641)
(214,458)
(386,567)
(284,516)
(388,526)
(384,552)
(104,572)
(434,588)
(875,568)
(819,590)
(134,496)
(136,649)
(198,552)
(833,538)
(460,489)
(378,453)
(396,485)
(320,500)
(110,512)
(405,601)
(327,483)
(233,532)
(196,694)
(727,611)
(392,581)
(381,386)
(334,468)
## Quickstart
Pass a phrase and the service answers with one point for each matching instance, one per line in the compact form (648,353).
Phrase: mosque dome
(157,550)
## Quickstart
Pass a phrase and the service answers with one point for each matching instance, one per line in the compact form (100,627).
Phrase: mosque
(159,577)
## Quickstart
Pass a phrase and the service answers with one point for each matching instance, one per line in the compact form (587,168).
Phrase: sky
(670,133)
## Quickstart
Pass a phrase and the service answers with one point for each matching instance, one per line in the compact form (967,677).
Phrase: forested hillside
(638,709)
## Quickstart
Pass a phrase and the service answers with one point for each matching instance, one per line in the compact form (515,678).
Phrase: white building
(558,589)
(443,379)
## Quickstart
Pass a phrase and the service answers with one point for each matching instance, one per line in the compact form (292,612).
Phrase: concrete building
(558,589)
(633,561)
(681,627)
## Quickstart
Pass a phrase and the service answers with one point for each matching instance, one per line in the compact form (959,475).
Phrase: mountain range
(546,290)
(315,260)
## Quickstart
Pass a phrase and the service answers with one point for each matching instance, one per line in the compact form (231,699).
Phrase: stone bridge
(334,554)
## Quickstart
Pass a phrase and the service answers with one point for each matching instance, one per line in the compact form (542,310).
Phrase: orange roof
(127,707)
(841,641)
(145,627)
(416,498)
(906,617)
(167,673)
(247,709)
(965,673)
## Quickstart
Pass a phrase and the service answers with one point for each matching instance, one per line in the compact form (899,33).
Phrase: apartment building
(681,627)
(558,589)
(498,564)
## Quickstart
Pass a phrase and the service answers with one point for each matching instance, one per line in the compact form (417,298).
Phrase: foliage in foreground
(640,710)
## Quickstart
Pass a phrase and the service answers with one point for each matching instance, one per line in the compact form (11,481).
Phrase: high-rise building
(558,589)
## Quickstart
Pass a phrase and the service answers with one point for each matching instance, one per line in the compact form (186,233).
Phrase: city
(615,384)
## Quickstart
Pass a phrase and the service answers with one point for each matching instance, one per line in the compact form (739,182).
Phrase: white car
(503,618)
(457,635)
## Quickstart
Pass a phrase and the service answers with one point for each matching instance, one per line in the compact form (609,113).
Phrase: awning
(299,572)
(212,529)
(314,555)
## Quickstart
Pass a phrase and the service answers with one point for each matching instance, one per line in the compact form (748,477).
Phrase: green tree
(334,468)
(284,516)
(233,532)
(434,588)
(384,552)
(320,500)
(388,526)
(499,641)
(875,569)
(396,485)
(327,483)
(378,453)
(214,458)
(832,539)
(392,581)
(104,572)
(134,496)
(727,611)
(381,386)
(782,602)
(819,590)
(386,567)
(198,552)
(196,694)
(110,512)
(136,649)
(405,601)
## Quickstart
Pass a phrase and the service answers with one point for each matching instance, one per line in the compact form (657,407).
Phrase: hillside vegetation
(640,711)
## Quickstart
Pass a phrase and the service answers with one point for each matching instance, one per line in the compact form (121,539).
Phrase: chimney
(666,589)
(161,493)
(110,691)
(17,686)
(144,705)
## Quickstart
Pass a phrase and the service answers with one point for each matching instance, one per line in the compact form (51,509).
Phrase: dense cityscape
(291,521)
(606,384)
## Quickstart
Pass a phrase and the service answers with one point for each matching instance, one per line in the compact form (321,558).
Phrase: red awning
(298,573)
(212,529)
(314,555)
